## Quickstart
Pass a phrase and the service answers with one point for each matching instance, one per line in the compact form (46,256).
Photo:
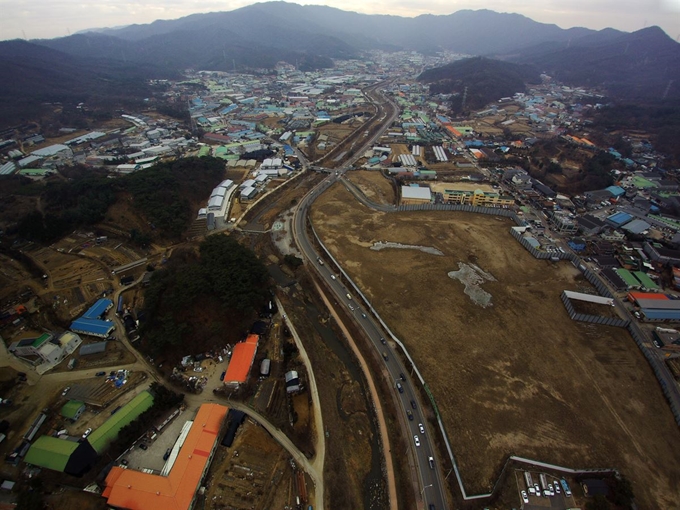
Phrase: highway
(430,480)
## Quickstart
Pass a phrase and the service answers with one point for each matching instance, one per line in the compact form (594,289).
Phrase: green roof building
(645,280)
(51,453)
(108,431)
(72,409)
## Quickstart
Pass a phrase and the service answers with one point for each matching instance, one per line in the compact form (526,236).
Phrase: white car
(421,428)
(525,498)
(66,390)
(87,433)
(557,487)
(332,277)
(416,440)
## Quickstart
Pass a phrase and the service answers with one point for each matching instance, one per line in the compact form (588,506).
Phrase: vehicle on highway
(332,277)
(320,261)
(349,296)
(413,404)
(100,374)
(421,428)
(400,388)
(402,376)
(416,440)
(384,355)
(430,461)
(409,414)
(351,307)
(363,315)
(525,498)
(66,390)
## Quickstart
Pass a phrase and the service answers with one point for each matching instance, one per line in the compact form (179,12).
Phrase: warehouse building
(72,410)
(241,362)
(415,195)
(108,431)
(134,490)
(64,455)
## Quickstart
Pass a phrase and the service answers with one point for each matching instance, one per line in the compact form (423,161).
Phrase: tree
(598,503)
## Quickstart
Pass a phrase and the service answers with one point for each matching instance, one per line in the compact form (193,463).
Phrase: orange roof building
(241,361)
(134,490)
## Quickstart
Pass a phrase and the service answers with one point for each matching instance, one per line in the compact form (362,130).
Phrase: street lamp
(421,492)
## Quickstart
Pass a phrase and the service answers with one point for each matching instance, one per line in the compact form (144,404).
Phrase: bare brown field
(518,377)
(398,149)
(374,185)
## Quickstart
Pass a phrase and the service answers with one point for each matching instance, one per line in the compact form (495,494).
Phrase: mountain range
(641,65)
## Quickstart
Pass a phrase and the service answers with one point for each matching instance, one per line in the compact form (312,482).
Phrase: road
(430,479)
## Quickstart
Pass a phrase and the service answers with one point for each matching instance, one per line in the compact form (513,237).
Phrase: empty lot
(518,377)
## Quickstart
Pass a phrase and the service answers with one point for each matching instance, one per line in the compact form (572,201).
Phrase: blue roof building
(97,310)
(93,327)
(618,219)
(617,191)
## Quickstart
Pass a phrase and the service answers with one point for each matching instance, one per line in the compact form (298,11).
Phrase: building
(241,361)
(108,431)
(45,348)
(562,222)
(91,323)
(68,456)
(134,490)
(95,348)
(415,195)
(662,255)
(72,410)
(292,382)
(475,194)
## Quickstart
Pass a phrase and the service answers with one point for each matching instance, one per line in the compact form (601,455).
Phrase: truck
(544,485)
(530,482)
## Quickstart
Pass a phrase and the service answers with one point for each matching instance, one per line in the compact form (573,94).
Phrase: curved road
(432,492)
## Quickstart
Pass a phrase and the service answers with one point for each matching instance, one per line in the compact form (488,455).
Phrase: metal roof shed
(95,348)
(98,309)
(92,327)
(108,431)
(51,453)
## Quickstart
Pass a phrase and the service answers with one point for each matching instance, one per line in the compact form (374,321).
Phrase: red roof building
(241,361)
(133,490)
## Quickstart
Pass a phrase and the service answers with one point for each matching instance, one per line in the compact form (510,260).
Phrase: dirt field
(253,473)
(374,186)
(516,377)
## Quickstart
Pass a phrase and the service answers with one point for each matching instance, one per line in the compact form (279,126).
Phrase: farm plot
(517,377)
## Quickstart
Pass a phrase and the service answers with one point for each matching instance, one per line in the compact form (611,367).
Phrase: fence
(595,319)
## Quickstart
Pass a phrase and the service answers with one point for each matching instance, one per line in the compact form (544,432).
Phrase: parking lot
(558,501)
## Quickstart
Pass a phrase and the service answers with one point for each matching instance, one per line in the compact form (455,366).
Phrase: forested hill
(162,195)
(486,80)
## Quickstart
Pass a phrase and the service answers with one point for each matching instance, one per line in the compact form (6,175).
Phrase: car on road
(416,440)
(87,433)
(409,414)
(351,307)
(525,498)
(383,341)
(363,315)
(413,404)
(385,356)
(402,376)
(400,388)
(100,374)
(430,461)
(421,428)
(143,446)
(66,390)
(332,277)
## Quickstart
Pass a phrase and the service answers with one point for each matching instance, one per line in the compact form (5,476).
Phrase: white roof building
(415,193)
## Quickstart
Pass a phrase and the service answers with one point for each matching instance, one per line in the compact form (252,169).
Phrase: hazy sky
(35,19)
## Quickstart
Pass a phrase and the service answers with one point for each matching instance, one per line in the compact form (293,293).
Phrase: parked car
(87,433)
(143,446)
(66,390)
(167,454)
(525,498)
